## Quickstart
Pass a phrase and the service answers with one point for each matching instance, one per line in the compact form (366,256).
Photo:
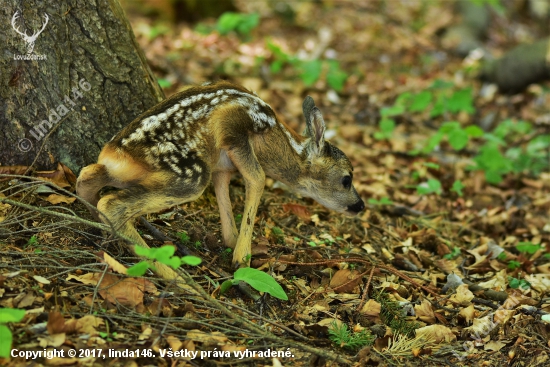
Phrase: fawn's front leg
(247,164)
(221,187)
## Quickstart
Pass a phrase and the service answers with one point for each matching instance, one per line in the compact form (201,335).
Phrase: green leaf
(240,23)
(138,269)
(461,100)
(392,111)
(513,265)
(431,165)
(336,77)
(163,253)
(518,283)
(173,262)
(527,247)
(387,125)
(7,339)
(191,260)
(429,187)
(261,281)
(164,83)
(224,287)
(421,101)
(474,131)
(457,187)
(433,141)
(310,71)
(11,315)
(458,139)
(276,66)
(142,251)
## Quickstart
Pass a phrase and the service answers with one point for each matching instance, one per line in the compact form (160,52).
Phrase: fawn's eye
(346,182)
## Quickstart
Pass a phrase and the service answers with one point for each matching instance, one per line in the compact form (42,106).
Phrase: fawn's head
(328,174)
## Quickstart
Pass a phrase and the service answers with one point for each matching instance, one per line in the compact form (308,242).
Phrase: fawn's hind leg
(122,206)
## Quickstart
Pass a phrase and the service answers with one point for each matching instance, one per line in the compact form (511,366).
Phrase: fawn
(169,154)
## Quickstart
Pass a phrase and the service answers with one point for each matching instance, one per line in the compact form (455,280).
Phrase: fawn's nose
(357,207)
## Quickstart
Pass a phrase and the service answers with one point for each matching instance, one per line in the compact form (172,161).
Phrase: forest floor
(448,265)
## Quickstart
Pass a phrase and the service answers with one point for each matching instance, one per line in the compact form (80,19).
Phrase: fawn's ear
(315,125)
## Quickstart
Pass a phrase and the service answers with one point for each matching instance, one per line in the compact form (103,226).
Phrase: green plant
(8,315)
(383,201)
(33,241)
(392,315)
(496,160)
(309,71)
(432,186)
(516,283)
(513,265)
(528,248)
(454,253)
(457,187)
(241,24)
(183,237)
(164,255)
(258,280)
(340,335)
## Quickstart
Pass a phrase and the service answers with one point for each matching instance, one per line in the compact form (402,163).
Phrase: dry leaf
(425,312)
(463,295)
(55,340)
(345,276)
(215,338)
(41,279)
(56,199)
(494,345)
(114,264)
(437,333)
(468,313)
(173,342)
(85,325)
(299,210)
(56,323)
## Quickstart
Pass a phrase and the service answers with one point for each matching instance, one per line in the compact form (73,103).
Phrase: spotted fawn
(169,154)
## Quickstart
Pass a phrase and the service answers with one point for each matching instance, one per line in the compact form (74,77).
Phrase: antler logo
(29,39)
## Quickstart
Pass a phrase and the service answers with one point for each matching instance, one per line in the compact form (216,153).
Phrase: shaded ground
(385,271)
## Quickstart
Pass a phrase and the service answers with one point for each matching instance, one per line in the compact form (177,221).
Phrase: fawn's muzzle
(357,207)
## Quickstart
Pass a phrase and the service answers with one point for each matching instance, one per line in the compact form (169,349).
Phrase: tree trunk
(66,94)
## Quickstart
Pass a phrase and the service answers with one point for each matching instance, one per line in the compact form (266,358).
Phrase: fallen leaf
(468,313)
(56,323)
(437,333)
(494,345)
(112,262)
(463,295)
(425,312)
(300,211)
(345,276)
(56,199)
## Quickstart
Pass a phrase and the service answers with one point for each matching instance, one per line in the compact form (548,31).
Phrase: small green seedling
(241,24)
(383,201)
(164,255)
(432,186)
(184,237)
(513,265)
(457,187)
(340,335)
(518,283)
(454,253)
(258,280)
(8,315)
(527,248)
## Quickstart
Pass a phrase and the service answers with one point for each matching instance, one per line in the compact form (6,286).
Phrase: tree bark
(83,81)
